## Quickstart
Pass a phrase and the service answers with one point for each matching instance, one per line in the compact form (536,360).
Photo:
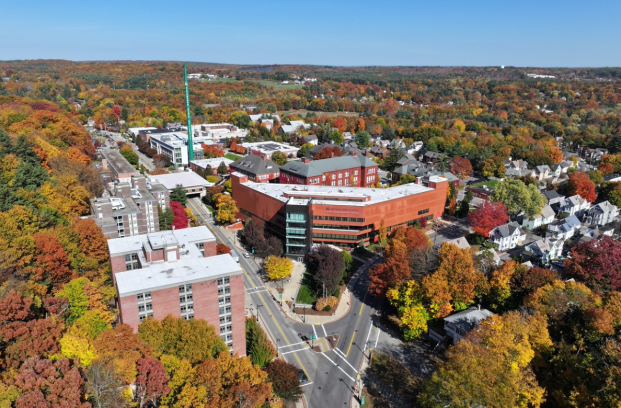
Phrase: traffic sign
(362,401)
(313,337)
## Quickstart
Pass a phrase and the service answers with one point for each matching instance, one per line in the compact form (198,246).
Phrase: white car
(246,255)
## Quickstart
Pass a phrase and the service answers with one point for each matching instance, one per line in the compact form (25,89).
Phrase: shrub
(332,301)
(321,304)
(327,308)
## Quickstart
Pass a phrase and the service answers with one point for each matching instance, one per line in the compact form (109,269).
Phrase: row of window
(185,288)
(425,211)
(345,219)
(223,281)
(337,236)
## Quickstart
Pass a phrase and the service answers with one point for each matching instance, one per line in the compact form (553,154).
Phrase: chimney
(479,307)
(305,160)
(354,154)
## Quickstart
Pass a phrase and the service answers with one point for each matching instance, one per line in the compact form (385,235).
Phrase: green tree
(258,346)
(130,155)
(222,169)
(336,137)
(166,218)
(362,139)
(516,196)
(279,158)
(178,194)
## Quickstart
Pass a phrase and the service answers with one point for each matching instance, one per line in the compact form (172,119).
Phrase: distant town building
(267,149)
(194,185)
(258,169)
(120,169)
(178,273)
(200,165)
(351,170)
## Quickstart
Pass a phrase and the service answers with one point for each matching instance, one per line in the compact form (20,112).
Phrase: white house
(574,205)
(601,214)
(459,324)
(564,228)
(595,232)
(507,236)
(541,172)
(546,217)
(544,250)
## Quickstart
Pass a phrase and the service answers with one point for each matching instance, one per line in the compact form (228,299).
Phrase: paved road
(331,375)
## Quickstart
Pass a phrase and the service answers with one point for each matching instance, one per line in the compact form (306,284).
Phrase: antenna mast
(187,111)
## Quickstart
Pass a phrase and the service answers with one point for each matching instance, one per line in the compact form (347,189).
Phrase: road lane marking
(295,351)
(377,338)
(324,331)
(340,354)
(314,331)
(368,335)
(337,366)
(363,299)
(350,343)
(264,305)
(304,385)
(294,344)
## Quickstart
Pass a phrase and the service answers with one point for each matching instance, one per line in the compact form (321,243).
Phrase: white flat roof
(183,236)
(185,178)
(213,162)
(161,275)
(375,195)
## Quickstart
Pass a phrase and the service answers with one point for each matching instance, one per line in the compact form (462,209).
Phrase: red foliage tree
(393,271)
(581,184)
(328,152)
(211,151)
(180,220)
(50,384)
(222,249)
(606,168)
(487,217)
(92,241)
(151,382)
(52,262)
(460,167)
(597,263)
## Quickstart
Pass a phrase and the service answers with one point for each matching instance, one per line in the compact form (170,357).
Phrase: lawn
(304,112)
(265,82)
(489,183)
(232,156)
(305,295)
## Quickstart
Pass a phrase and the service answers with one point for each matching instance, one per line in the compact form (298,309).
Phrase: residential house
(593,154)
(546,217)
(556,170)
(293,126)
(507,236)
(396,144)
(457,325)
(378,152)
(433,157)
(595,232)
(564,228)
(310,139)
(461,243)
(415,148)
(258,169)
(544,251)
(482,192)
(541,172)
(601,214)
(516,168)
(554,199)
(574,205)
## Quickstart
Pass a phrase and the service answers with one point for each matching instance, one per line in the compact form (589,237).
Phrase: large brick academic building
(343,216)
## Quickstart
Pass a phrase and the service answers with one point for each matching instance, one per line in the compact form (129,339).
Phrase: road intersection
(332,374)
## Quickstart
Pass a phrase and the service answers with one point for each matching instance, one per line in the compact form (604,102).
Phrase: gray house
(602,213)
(459,324)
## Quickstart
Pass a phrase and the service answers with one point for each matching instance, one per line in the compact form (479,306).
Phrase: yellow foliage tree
(76,344)
(227,208)
(278,267)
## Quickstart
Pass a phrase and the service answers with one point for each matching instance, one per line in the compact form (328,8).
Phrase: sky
(541,33)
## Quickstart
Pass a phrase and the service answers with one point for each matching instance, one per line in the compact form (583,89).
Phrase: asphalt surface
(331,375)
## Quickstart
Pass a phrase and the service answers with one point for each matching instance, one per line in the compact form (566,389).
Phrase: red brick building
(352,170)
(343,216)
(178,273)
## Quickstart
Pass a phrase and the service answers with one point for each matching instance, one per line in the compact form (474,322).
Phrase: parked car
(303,377)
(246,255)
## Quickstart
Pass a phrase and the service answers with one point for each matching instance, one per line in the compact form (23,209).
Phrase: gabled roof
(552,195)
(542,169)
(544,245)
(468,319)
(319,167)
(255,164)
(547,211)
(460,242)
(575,201)
(602,208)
(508,229)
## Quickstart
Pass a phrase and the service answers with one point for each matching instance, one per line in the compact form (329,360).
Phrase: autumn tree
(51,262)
(222,249)
(130,155)
(408,299)
(277,267)
(453,286)
(492,367)
(279,158)
(103,387)
(180,219)
(93,242)
(516,197)
(48,384)
(460,167)
(123,348)
(611,191)
(487,217)
(194,340)
(227,209)
(598,263)
(580,184)
(393,271)
(151,382)
(285,380)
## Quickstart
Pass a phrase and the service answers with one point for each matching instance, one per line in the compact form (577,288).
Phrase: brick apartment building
(258,169)
(353,170)
(302,215)
(119,168)
(178,273)
(130,208)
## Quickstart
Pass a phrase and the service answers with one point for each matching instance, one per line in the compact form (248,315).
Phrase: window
(220,291)
(226,281)
(182,289)
(333,176)
(140,297)
(340,175)
(181,299)
(425,211)
(346,174)
(355,172)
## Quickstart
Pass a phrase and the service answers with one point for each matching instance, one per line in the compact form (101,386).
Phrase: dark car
(303,377)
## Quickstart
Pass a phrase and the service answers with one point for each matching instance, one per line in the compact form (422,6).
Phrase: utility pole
(187,111)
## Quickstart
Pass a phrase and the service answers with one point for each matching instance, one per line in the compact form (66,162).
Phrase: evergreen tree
(178,194)
(166,218)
